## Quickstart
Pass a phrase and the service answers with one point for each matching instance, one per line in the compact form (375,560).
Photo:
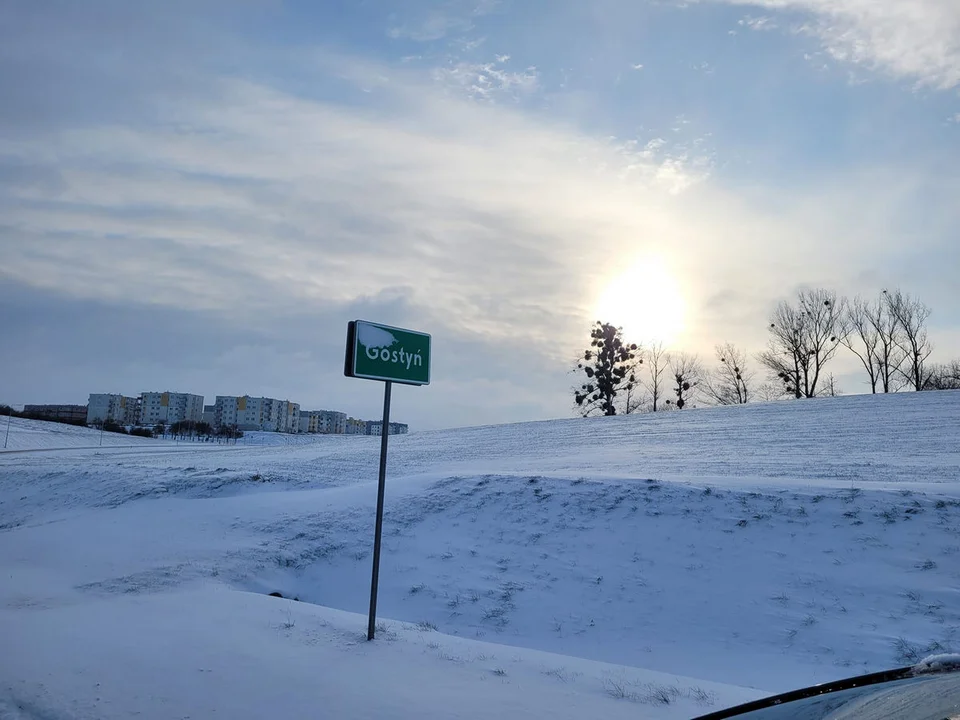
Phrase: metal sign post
(383,352)
(381,488)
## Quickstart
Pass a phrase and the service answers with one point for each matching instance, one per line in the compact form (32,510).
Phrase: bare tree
(786,356)
(830,388)
(768,392)
(803,339)
(911,316)
(862,336)
(944,376)
(729,383)
(952,373)
(635,397)
(687,373)
(889,356)
(657,360)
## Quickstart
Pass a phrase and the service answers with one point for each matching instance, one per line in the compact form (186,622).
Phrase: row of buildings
(241,412)
(149,408)
(76,414)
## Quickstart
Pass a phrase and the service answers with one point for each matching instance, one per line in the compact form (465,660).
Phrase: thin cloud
(910,39)
(465,205)
(269,200)
(758,23)
(433,27)
(465,45)
(490,80)
(449,18)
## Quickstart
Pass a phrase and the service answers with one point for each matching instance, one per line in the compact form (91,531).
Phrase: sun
(646,301)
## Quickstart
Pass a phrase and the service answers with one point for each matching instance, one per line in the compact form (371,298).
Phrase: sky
(198,196)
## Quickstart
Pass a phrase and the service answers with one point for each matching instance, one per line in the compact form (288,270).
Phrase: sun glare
(646,301)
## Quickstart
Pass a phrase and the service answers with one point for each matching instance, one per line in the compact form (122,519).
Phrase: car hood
(929,690)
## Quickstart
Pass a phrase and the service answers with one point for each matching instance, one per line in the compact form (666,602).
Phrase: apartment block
(257,413)
(170,407)
(356,427)
(210,415)
(375,427)
(118,408)
(66,413)
(292,411)
(323,421)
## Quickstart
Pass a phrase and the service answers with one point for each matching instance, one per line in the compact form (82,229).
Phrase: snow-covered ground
(569,568)
(27,434)
(211,652)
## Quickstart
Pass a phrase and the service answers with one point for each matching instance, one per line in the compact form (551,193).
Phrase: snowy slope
(27,434)
(769,546)
(208,652)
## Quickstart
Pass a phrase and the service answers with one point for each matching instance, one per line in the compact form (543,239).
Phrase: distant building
(328,422)
(210,414)
(225,411)
(355,427)
(170,407)
(375,427)
(293,417)
(64,413)
(308,421)
(257,413)
(118,408)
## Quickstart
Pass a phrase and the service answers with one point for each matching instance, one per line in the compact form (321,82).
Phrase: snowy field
(652,566)
(27,434)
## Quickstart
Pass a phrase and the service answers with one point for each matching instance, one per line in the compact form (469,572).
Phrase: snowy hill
(28,434)
(769,546)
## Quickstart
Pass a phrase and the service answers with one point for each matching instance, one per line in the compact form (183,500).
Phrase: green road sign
(394,355)
(382,352)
